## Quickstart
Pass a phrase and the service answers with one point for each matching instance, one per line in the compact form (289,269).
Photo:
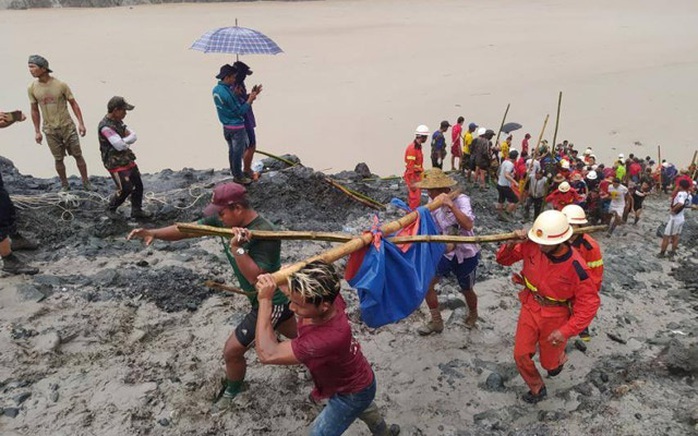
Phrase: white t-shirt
(507,167)
(617,196)
(682,197)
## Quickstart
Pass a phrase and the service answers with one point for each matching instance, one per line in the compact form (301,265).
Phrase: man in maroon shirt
(326,346)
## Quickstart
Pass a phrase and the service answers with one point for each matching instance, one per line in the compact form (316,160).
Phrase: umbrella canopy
(236,40)
(510,127)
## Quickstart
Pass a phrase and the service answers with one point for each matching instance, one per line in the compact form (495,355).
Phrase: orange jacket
(561,199)
(561,279)
(413,159)
(590,251)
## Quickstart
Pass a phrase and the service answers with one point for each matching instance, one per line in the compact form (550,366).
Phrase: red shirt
(563,278)
(524,146)
(332,355)
(561,199)
(455,134)
(635,169)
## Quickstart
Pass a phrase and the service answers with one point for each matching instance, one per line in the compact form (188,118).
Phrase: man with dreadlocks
(326,346)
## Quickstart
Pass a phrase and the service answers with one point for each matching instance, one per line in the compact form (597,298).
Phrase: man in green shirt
(249,258)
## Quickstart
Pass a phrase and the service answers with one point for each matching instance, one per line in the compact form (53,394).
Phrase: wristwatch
(239,252)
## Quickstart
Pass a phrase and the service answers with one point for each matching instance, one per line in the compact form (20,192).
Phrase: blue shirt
(438,141)
(230,109)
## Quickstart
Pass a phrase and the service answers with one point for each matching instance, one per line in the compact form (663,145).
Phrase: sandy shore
(358,76)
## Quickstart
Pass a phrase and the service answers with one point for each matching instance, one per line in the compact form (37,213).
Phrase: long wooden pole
(693,164)
(501,126)
(339,237)
(361,198)
(557,118)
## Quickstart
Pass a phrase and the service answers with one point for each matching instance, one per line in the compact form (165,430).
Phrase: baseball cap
(445,124)
(40,62)
(489,132)
(226,70)
(224,195)
(472,126)
(117,102)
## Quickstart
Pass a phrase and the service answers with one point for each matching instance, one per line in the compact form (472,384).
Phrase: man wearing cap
(558,300)
(115,141)
(438,145)
(231,113)
(454,217)
(467,163)
(49,97)
(456,148)
(10,239)
(249,258)
(414,161)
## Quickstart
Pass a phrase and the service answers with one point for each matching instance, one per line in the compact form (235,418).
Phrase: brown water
(358,76)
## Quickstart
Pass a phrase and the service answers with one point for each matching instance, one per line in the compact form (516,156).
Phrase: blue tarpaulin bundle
(391,283)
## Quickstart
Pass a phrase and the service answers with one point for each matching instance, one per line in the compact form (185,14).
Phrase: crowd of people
(558,282)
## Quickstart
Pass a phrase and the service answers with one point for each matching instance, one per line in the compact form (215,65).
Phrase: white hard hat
(587,151)
(564,163)
(550,228)
(591,175)
(665,164)
(621,156)
(481,131)
(422,130)
(575,214)
(563,187)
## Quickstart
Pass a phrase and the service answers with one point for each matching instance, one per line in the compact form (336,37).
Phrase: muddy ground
(113,338)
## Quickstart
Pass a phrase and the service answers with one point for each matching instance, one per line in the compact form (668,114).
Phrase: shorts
(245,331)
(506,193)
(674,226)
(619,210)
(456,150)
(63,140)
(465,272)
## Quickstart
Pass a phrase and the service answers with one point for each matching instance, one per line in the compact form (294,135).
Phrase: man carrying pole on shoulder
(326,346)
(588,248)
(230,208)
(558,301)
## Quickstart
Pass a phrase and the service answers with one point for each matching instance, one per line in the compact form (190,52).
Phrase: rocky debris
(680,360)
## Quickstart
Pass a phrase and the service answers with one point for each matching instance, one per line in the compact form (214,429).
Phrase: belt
(542,299)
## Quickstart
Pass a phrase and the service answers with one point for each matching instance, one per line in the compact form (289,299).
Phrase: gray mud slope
(115,338)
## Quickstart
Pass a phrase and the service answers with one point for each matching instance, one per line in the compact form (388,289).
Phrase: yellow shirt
(504,148)
(467,140)
(52,98)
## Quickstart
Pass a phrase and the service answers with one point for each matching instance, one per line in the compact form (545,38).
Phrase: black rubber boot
(19,242)
(532,398)
(12,265)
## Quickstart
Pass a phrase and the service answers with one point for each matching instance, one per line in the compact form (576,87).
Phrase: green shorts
(63,140)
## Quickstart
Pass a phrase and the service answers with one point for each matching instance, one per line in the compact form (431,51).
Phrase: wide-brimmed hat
(564,187)
(436,179)
(559,178)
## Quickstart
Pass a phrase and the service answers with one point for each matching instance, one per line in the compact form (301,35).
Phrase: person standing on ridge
(49,98)
(456,148)
(414,161)
(438,146)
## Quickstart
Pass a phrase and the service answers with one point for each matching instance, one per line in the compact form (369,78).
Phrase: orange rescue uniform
(561,199)
(590,251)
(559,294)
(413,173)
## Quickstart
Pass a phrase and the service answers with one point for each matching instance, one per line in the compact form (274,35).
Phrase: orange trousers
(414,195)
(533,329)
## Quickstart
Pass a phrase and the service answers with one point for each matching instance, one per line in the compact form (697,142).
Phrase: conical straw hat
(436,179)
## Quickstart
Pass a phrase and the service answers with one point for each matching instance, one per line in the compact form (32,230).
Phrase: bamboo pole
(499,132)
(357,243)
(557,118)
(200,230)
(279,158)
(227,288)
(361,198)
(477,239)
(693,165)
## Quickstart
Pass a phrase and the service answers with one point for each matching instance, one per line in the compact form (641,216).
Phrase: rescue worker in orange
(588,248)
(558,301)
(562,196)
(413,166)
